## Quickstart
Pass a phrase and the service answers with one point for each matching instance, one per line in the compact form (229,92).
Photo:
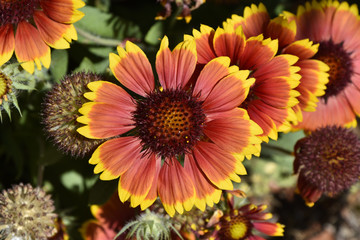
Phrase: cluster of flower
(178,137)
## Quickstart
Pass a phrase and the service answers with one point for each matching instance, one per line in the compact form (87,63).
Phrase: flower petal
(110,93)
(175,188)
(104,120)
(7,43)
(116,156)
(153,193)
(63,11)
(256,19)
(271,229)
(175,68)
(280,28)
(30,47)
(204,39)
(234,133)
(210,75)
(229,42)
(56,35)
(206,192)
(251,59)
(229,93)
(132,68)
(136,182)
(219,166)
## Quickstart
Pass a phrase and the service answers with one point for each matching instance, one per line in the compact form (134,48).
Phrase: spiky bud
(26,213)
(60,111)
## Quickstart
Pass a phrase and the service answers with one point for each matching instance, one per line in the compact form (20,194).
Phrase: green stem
(98,39)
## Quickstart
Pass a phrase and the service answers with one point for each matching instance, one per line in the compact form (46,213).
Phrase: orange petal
(115,156)
(53,33)
(219,166)
(256,19)
(104,120)
(153,193)
(229,42)
(7,43)
(175,187)
(132,68)
(224,132)
(268,228)
(110,93)
(251,59)
(204,47)
(136,182)
(228,93)
(94,230)
(303,49)
(63,11)
(175,68)
(263,120)
(30,47)
(280,28)
(209,76)
(206,192)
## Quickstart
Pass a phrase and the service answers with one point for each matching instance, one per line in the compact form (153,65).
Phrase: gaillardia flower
(26,213)
(29,27)
(239,224)
(313,72)
(272,96)
(61,109)
(327,161)
(110,218)
(176,139)
(336,27)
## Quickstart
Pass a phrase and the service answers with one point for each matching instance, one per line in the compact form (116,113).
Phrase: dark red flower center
(329,159)
(15,11)
(340,65)
(169,122)
(235,227)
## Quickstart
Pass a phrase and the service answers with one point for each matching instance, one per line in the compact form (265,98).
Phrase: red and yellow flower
(313,72)
(273,93)
(31,27)
(239,223)
(176,140)
(110,218)
(336,28)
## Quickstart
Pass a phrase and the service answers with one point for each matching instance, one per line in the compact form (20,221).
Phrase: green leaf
(104,28)
(86,65)
(73,181)
(59,63)
(155,33)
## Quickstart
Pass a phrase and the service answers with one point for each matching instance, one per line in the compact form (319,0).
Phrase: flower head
(176,139)
(110,218)
(313,72)
(336,28)
(26,213)
(272,95)
(239,223)
(328,162)
(29,27)
(186,7)
(60,110)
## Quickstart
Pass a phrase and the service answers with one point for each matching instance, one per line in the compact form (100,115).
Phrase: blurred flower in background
(183,6)
(328,162)
(110,218)
(336,27)
(256,20)
(272,96)
(26,213)
(61,109)
(30,26)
